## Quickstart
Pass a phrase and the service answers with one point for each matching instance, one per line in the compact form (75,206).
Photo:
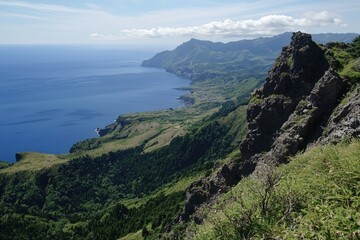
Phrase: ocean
(54,96)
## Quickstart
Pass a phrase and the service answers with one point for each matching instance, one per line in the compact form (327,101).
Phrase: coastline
(71,116)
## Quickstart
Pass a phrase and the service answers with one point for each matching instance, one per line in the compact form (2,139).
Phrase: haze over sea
(54,96)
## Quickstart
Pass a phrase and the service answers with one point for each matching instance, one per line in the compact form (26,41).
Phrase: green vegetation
(220,71)
(347,59)
(32,162)
(121,191)
(131,182)
(289,61)
(315,196)
(3,164)
(256,99)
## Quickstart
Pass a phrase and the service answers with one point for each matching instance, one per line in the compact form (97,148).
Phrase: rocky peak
(299,40)
(297,69)
(301,104)
(295,73)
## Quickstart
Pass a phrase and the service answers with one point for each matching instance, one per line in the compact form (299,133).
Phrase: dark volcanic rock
(264,120)
(203,190)
(310,116)
(302,103)
(120,123)
(18,157)
(298,68)
(294,75)
(345,121)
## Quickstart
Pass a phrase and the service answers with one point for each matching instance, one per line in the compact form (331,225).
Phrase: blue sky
(168,22)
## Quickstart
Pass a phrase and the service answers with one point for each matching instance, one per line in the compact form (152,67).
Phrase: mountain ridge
(290,113)
(257,46)
(310,98)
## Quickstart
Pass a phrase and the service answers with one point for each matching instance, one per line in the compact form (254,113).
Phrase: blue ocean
(54,96)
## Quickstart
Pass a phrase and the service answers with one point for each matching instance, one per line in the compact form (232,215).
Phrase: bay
(54,96)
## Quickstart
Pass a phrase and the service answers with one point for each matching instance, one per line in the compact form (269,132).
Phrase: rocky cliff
(303,102)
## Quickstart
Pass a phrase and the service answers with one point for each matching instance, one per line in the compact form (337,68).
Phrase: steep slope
(315,196)
(303,102)
(112,195)
(310,97)
(294,106)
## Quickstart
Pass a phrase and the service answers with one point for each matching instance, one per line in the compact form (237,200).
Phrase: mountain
(308,99)
(219,169)
(198,60)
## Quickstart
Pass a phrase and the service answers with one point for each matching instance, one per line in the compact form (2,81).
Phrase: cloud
(19,15)
(36,6)
(108,37)
(266,25)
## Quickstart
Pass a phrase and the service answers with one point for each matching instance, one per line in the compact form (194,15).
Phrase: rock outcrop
(306,123)
(296,71)
(204,189)
(303,102)
(345,120)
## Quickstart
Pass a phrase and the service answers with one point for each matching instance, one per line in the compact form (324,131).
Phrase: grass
(133,236)
(164,138)
(352,70)
(349,65)
(3,164)
(157,128)
(315,196)
(237,121)
(32,162)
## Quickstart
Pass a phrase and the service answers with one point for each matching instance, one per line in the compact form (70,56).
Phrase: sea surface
(53,96)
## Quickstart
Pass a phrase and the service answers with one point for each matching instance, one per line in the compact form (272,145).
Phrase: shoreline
(171,100)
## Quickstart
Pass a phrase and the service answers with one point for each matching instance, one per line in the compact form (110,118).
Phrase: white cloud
(99,36)
(267,25)
(74,23)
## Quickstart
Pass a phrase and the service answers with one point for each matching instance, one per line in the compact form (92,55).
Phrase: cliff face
(293,77)
(293,108)
(345,120)
(302,103)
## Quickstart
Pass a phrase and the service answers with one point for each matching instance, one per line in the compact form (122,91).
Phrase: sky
(168,22)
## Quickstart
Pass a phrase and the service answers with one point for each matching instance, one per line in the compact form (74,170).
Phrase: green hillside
(213,169)
(315,196)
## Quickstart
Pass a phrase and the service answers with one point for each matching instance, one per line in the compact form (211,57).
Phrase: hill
(228,70)
(307,100)
(131,184)
(198,59)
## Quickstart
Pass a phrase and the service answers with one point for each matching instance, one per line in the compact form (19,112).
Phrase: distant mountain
(323,38)
(201,60)
(309,98)
(162,175)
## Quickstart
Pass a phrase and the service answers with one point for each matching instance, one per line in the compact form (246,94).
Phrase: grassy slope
(156,128)
(171,194)
(236,79)
(315,196)
(33,162)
